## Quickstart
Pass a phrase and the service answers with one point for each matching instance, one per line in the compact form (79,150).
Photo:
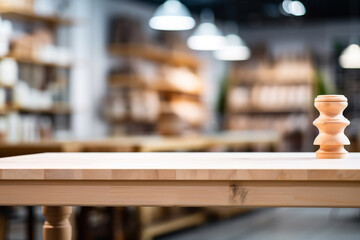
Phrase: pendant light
(350,57)
(293,7)
(172,16)
(206,36)
(235,48)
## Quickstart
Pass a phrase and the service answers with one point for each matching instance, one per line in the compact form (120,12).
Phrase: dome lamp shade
(172,16)
(234,49)
(350,57)
(207,36)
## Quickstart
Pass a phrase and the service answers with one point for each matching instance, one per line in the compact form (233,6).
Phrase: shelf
(56,109)
(155,54)
(128,119)
(36,62)
(270,111)
(135,81)
(248,83)
(3,111)
(28,15)
(5,86)
(127,80)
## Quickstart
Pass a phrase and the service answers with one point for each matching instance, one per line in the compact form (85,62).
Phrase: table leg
(57,225)
(117,227)
(3,223)
(30,223)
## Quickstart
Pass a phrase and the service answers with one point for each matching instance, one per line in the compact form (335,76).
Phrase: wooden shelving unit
(263,96)
(127,80)
(47,70)
(25,14)
(161,86)
(3,111)
(36,62)
(56,109)
(156,54)
(255,110)
(6,86)
(135,81)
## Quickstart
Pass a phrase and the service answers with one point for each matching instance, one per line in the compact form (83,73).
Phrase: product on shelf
(39,46)
(269,98)
(125,30)
(282,124)
(6,30)
(179,79)
(238,98)
(138,105)
(191,112)
(115,107)
(27,45)
(2,99)
(282,71)
(170,125)
(40,7)
(273,94)
(32,98)
(25,128)
(9,72)
(20,4)
(144,105)
(3,129)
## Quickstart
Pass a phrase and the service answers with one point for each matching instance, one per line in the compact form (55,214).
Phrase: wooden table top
(179,166)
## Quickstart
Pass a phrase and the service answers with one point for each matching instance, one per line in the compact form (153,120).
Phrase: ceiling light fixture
(235,49)
(206,36)
(295,8)
(172,16)
(350,57)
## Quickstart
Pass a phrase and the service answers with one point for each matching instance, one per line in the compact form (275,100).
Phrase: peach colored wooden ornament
(331,124)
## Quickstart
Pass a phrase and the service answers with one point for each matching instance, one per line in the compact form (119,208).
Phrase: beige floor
(281,224)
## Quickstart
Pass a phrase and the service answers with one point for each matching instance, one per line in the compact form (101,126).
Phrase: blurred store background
(189,75)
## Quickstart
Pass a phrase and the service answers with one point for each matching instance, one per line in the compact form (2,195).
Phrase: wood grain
(181,193)
(180,179)
(180,166)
